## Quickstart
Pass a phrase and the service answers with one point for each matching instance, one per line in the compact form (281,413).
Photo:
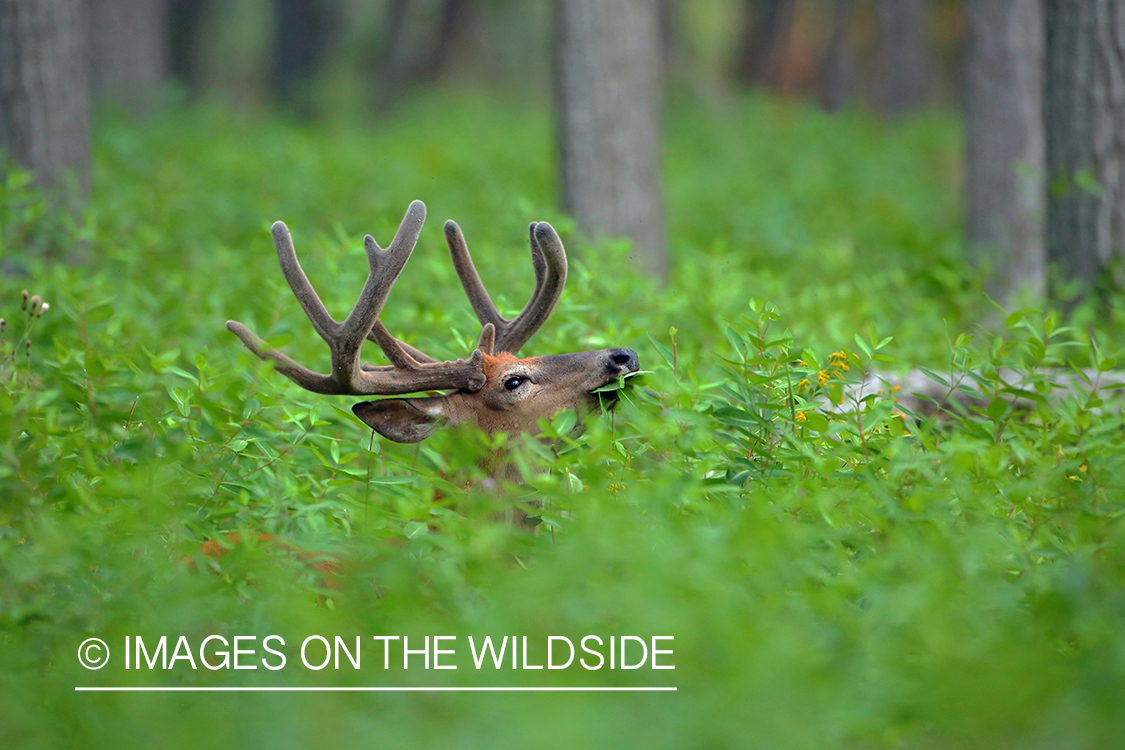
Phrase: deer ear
(403,420)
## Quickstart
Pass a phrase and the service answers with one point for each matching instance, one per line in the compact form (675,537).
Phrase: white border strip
(510,689)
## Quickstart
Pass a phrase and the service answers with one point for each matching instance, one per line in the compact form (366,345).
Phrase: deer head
(493,389)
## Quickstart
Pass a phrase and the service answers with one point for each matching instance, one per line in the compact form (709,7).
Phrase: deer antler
(548,258)
(410,370)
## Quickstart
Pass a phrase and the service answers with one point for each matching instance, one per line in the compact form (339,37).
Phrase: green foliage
(836,572)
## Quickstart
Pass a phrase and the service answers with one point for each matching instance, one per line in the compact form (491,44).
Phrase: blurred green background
(834,575)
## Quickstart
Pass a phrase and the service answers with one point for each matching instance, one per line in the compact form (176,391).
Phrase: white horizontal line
(508,689)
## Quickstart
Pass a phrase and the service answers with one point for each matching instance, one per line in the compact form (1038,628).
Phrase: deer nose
(622,360)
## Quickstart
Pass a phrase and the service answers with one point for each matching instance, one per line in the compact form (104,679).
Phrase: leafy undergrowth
(836,572)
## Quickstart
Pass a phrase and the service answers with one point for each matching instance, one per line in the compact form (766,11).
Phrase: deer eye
(514,382)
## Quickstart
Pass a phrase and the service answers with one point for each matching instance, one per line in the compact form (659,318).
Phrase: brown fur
(549,385)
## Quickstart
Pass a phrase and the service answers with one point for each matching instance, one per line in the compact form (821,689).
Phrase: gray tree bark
(838,66)
(607,87)
(455,17)
(392,70)
(1085,113)
(765,30)
(672,44)
(301,30)
(1006,148)
(128,50)
(185,24)
(903,51)
(44,91)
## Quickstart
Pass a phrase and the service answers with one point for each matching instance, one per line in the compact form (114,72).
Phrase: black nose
(622,360)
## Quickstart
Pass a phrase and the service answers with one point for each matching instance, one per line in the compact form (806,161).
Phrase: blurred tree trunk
(904,52)
(185,22)
(392,69)
(1006,149)
(44,93)
(607,88)
(128,53)
(672,52)
(838,67)
(1085,112)
(300,31)
(453,19)
(761,45)
(397,68)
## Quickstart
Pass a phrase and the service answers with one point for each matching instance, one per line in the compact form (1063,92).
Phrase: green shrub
(836,572)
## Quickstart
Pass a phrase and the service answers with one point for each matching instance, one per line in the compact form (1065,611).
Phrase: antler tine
(302,376)
(322,322)
(386,265)
(538,262)
(544,240)
(418,354)
(411,370)
(548,259)
(470,280)
(487,341)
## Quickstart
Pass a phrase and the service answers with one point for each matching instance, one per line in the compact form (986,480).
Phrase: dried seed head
(3,325)
(44,308)
(36,300)
(24,305)
(29,347)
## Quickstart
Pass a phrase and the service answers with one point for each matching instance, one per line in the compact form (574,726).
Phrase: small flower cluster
(837,366)
(36,303)
(34,306)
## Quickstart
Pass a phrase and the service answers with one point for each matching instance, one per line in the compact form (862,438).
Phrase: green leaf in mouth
(619,382)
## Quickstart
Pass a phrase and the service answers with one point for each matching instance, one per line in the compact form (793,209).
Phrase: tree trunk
(44,95)
(127,42)
(454,17)
(1085,113)
(1006,150)
(185,22)
(607,87)
(300,29)
(838,67)
(761,46)
(903,54)
(392,68)
(672,44)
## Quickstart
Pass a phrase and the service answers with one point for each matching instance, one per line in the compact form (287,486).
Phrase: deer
(493,389)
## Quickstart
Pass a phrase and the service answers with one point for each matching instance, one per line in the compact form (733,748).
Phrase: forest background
(834,189)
